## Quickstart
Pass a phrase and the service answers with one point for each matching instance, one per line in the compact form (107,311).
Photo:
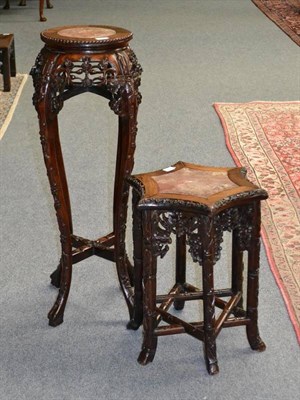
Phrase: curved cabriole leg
(121,193)
(59,189)
(137,317)
(124,166)
(56,314)
(254,339)
(149,277)
(56,275)
(180,267)
(56,175)
(49,5)
(210,350)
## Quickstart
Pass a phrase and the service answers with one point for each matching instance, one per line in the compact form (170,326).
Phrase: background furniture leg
(41,9)
(6,69)
(13,69)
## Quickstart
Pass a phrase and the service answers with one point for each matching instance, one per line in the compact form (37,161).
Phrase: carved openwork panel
(118,73)
(193,226)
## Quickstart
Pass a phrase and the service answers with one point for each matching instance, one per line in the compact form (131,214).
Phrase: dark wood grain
(67,67)
(7,59)
(198,224)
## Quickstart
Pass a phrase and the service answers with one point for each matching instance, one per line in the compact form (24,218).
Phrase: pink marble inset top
(191,182)
(87,32)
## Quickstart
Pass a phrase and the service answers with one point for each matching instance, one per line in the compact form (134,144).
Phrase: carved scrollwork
(121,90)
(121,79)
(36,73)
(87,72)
(162,232)
(166,223)
(245,228)
(136,68)
(193,226)
(136,72)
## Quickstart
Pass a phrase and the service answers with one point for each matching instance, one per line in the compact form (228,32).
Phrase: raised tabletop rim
(51,36)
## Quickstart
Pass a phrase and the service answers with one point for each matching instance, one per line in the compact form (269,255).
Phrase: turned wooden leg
(41,8)
(210,350)
(6,5)
(149,295)
(237,273)
(180,267)
(13,70)
(22,3)
(6,69)
(137,318)
(42,17)
(254,339)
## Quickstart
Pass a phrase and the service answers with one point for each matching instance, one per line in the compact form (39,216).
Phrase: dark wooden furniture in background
(7,59)
(197,204)
(74,60)
(41,7)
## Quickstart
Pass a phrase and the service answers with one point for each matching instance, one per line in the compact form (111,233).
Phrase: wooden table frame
(63,70)
(198,219)
(8,59)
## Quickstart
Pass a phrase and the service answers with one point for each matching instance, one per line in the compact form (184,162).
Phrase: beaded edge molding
(78,41)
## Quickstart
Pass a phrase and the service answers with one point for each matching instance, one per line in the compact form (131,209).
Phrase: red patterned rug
(285,14)
(265,138)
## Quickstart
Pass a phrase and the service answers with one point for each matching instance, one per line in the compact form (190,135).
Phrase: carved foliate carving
(136,72)
(193,226)
(121,81)
(87,72)
(57,76)
(36,73)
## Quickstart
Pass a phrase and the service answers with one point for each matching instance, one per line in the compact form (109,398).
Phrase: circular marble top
(87,32)
(82,36)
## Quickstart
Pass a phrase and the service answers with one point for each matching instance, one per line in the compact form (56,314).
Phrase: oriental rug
(9,100)
(285,14)
(265,138)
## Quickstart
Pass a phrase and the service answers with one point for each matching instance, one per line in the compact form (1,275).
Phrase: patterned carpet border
(285,14)
(9,100)
(265,138)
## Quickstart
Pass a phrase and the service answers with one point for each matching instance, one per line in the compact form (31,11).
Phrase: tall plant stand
(74,60)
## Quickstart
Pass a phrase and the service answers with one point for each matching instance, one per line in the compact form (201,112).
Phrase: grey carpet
(193,53)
